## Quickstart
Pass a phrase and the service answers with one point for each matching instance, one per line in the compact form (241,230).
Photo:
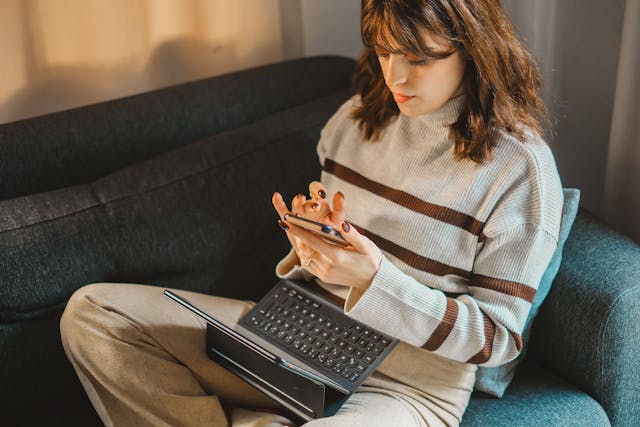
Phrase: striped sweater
(464,244)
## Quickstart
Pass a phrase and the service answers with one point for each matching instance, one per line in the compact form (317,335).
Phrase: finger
(316,208)
(313,242)
(359,242)
(297,204)
(279,204)
(337,215)
(317,190)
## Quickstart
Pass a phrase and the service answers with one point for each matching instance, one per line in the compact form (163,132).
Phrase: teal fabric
(588,331)
(494,381)
(536,398)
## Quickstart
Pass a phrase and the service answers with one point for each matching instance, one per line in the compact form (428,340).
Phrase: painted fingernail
(322,194)
(274,194)
(314,205)
(282,225)
(300,196)
(341,194)
(345,226)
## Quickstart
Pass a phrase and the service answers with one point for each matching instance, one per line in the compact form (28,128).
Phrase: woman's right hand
(317,208)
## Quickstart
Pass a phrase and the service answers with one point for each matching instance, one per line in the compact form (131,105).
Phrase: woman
(450,201)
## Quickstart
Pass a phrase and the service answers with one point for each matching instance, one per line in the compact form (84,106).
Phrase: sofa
(172,188)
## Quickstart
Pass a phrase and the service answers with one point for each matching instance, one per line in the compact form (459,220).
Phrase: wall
(331,27)
(577,44)
(58,54)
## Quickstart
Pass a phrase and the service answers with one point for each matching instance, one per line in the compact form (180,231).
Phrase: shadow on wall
(174,61)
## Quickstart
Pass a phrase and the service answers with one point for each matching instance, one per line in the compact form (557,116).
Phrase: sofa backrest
(197,216)
(79,145)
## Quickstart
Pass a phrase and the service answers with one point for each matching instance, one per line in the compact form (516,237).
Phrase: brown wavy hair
(501,81)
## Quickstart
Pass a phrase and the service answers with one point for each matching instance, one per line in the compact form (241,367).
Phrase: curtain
(589,55)
(60,54)
(622,187)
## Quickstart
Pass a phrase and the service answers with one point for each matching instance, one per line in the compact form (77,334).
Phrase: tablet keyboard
(323,336)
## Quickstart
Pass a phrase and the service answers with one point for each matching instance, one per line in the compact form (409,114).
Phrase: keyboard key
(293,320)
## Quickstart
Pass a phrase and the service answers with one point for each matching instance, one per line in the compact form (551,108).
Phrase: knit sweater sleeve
(484,325)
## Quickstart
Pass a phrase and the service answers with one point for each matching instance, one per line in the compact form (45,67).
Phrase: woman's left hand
(353,266)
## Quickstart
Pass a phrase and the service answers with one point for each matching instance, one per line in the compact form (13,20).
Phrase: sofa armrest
(588,329)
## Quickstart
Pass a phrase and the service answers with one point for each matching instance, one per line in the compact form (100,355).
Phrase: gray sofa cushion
(588,330)
(198,217)
(536,398)
(77,146)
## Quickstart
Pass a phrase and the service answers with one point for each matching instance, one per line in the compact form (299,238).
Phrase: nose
(397,70)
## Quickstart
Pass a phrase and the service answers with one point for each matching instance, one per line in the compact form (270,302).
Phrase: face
(423,85)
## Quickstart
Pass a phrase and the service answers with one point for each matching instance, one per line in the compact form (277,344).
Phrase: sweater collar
(445,115)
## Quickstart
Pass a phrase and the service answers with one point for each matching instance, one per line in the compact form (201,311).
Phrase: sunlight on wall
(60,54)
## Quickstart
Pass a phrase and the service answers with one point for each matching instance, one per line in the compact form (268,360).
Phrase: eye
(419,61)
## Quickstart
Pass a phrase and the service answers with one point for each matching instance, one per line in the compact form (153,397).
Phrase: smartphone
(325,231)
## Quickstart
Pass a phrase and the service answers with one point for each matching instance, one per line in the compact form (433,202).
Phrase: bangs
(395,27)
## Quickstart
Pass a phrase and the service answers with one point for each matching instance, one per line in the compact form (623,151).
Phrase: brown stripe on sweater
(441,213)
(489,333)
(441,333)
(413,259)
(515,289)
(517,339)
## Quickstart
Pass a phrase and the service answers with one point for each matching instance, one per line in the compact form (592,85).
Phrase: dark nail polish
(314,205)
(322,194)
(345,226)
(282,225)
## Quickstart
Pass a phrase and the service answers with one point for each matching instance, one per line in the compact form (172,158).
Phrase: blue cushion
(494,381)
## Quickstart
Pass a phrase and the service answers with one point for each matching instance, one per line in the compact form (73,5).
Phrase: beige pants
(141,359)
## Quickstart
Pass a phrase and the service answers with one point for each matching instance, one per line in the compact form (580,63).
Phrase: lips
(401,98)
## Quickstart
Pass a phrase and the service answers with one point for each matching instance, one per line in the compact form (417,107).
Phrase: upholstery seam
(605,324)
(237,156)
